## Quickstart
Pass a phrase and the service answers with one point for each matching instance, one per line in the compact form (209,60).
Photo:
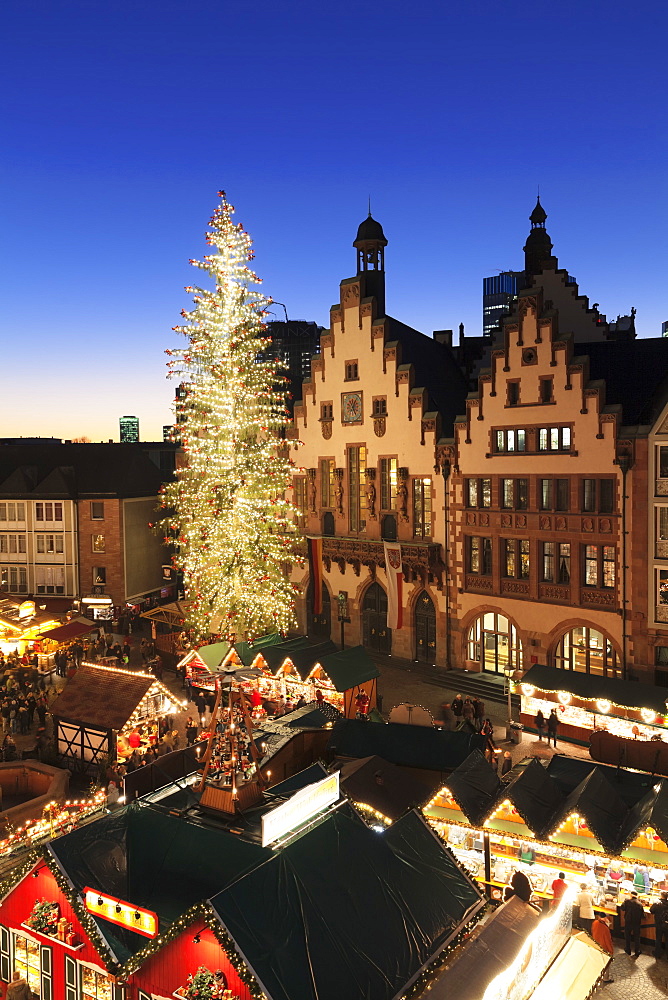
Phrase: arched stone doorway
(493,642)
(320,625)
(425,628)
(375,633)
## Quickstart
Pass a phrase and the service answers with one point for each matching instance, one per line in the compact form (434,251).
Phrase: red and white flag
(394,574)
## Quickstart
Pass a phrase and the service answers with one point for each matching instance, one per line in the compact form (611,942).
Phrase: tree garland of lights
(227,515)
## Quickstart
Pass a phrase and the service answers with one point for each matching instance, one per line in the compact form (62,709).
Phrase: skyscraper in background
(498,294)
(664,329)
(129,430)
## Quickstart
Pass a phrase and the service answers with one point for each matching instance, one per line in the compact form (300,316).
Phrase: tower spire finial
(369,206)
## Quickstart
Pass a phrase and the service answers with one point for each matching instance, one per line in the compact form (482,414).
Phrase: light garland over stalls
(226,511)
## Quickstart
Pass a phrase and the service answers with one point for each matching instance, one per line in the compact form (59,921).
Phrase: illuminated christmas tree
(228,518)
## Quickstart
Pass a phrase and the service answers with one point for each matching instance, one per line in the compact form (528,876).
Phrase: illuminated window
(478,492)
(99,575)
(97,542)
(510,439)
(479,555)
(493,642)
(599,566)
(95,985)
(554,439)
(14,579)
(516,557)
(327,482)
(356,488)
(27,960)
(422,508)
(388,483)
(586,651)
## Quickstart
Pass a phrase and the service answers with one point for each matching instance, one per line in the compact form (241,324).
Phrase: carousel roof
(101,696)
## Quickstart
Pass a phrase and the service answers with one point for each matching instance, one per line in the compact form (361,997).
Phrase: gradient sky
(122,119)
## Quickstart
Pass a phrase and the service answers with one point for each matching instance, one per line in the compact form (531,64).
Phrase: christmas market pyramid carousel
(232,780)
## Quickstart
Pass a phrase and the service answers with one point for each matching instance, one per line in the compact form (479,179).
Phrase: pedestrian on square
(660,913)
(633,912)
(507,763)
(552,726)
(585,902)
(447,716)
(600,931)
(458,706)
(540,724)
(479,708)
(468,712)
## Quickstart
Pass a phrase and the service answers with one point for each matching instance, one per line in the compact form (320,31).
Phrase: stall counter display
(586,720)
(609,880)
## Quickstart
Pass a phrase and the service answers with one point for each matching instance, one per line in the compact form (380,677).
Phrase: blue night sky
(123,119)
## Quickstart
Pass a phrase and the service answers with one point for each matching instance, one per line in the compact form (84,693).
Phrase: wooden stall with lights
(22,626)
(591,834)
(587,703)
(106,712)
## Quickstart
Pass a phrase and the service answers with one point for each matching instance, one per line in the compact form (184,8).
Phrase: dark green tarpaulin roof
(631,694)
(475,787)
(652,810)
(597,801)
(164,863)
(536,797)
(247,651)
(568,772)
(410,746)
(345,912)
(390,790)
(349,667)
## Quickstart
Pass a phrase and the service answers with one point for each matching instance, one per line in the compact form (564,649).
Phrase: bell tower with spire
(538,247)
(370,244)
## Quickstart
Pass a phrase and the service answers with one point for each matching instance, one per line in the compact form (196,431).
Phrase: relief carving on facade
(520,520)
(602,598)
(470,517)
(605,525)
(402,493)
(370,493)
(484,520)
(478,583)
(506,521)
(545,523)
(312,491)
(560,523)
(338,491)
(587,524)
(553,592)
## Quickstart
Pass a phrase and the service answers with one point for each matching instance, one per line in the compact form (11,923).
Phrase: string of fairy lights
(226,512)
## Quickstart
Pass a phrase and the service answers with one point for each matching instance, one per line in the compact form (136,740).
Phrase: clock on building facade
(351,407)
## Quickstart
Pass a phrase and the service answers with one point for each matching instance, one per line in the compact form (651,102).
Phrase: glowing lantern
(564,697)
(603,705)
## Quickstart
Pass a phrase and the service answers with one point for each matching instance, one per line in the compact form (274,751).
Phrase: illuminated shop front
(493,644)
(585,702)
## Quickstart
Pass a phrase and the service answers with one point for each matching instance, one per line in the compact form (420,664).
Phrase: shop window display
(95,985)
(27,962)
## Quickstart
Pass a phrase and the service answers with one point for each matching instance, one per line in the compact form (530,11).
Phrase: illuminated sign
(301,807)
(134,918)
(27,609)
(541,947)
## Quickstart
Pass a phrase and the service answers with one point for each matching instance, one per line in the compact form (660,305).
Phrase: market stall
(591,833)
(108,712)
(61,636)
(22,625)
(588,702)
(201,665)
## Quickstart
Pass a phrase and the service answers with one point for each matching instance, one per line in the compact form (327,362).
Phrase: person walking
(600,931)
(585,902)
(540,724)
(447,716)
(468,712)
(552,726)
(506,763)
(458,706)
(633,912)
(660,913)
(479,707)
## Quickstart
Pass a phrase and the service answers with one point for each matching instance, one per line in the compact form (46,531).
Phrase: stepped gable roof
(344,912)
(635,374)
(408,746)
(536,797)
(630,694)
(390,790)
(436,370)
(596,799)
(475,787)
(101,696)
(77,471)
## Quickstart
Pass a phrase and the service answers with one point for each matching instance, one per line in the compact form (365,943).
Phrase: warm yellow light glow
(564,697)
(603,705)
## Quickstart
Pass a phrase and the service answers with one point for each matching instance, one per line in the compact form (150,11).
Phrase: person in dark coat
(552,726)
(660,913)
(540,724)
(521,886)
(633,911)
(458,705)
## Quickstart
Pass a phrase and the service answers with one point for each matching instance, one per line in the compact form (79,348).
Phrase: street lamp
(509,671)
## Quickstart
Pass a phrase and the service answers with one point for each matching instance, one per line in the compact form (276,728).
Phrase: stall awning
(301,652)
(601,806)
(536,797)
(627,694)
(71,630)
(349,667)
(247,651)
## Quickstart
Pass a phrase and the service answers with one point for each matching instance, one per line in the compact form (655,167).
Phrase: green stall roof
(349,667)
